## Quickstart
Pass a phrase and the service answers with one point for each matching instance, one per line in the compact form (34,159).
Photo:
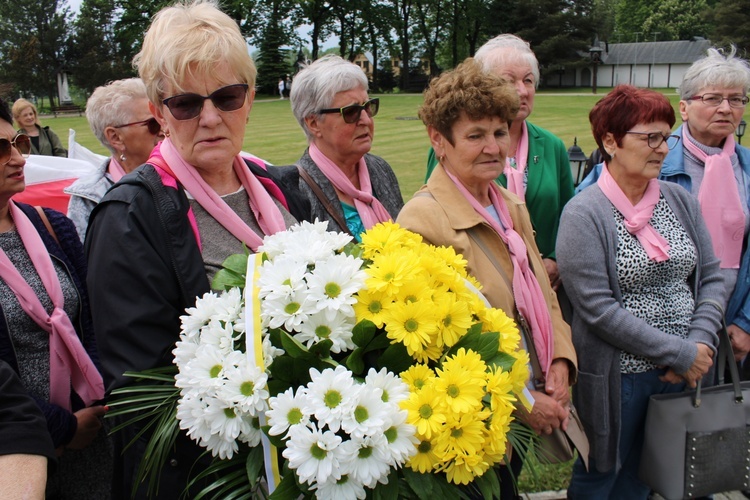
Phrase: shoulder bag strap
(322,198)
(724,356)
(47,224)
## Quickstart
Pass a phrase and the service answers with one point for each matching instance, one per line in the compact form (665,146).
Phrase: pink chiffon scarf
(516,175)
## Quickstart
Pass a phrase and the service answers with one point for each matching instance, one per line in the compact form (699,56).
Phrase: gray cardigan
(384,188)
(602,327)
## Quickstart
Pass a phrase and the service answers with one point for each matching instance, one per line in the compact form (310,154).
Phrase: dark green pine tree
(732,25)
(271,62)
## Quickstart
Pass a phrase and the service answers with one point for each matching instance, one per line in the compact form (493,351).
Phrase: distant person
(281,88)
(287,86)
(537,168)
(637,264)
(118,115)
(711,165)
(346,185)
(43,140)
(25,445)
(46,334)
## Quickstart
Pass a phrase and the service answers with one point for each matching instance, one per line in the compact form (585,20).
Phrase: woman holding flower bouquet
(346,185)
(162,232)
(467,113)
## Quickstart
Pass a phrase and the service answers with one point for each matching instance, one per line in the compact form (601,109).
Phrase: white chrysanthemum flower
(371,459)
(307,242)
(229,305)
(368,415)
(281,278)
(331,395)
(220,447)
(314,454)
(220,334)
(251,434)
(197,317)
(191,413)
(401,437)
(394,389)
(333,283)
(270,351)
(205,370)
(223,419)
(287,410)
(289,312)
(346,488)
(245,387)
(184,351)
(320,327)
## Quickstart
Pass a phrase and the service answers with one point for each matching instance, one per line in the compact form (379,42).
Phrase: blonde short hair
(191,38)
(22,105)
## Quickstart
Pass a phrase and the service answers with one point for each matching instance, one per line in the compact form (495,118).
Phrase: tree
(271,62)
(316,13)
(94,54)
(678,20)
(731,19)
(133,24)
(33,35)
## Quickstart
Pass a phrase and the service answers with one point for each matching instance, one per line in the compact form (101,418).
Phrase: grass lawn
(400,138)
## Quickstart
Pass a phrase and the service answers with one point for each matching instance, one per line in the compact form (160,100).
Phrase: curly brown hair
(470,91)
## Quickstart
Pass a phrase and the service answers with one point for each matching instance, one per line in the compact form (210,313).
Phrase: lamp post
(577,161)
(596,57)
(740,130)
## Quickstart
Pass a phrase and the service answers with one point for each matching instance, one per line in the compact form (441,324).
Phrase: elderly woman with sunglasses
(636,259)
(46,334)
(161,233)
(713,98)
(350,188)
(118,115)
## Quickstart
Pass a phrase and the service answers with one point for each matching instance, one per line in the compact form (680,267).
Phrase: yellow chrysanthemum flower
(465,469)
(455,260)
(417,377)
(371,305)
(437,268)
(389,272)
(417,290)
(412,324)
(495,320)
(519,373)
(461,436)
(430,353)
(468,360)
(387,237)
(455,320)
(424,411)
(461,391)
(500,388)
(425,460)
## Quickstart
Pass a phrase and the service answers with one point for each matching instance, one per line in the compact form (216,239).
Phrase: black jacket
(145,268)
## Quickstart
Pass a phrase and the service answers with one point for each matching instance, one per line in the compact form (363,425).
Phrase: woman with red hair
(636,259)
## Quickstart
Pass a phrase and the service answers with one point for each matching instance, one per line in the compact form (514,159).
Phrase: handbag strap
(322,198)
(725,357)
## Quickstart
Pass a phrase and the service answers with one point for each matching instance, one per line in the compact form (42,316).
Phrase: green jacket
(49,143)
(550,185)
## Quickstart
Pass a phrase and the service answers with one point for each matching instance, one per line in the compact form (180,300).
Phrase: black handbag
(698,442)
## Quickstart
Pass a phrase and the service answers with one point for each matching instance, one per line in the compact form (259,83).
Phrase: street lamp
(596,57)
(740,130)
(577,161)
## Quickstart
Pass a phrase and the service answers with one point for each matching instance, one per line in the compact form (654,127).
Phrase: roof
(676,52)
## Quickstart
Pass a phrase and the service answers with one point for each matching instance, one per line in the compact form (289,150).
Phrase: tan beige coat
(441,214)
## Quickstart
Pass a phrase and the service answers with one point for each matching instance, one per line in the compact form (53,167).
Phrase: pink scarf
(638,217)
(527,293)
(166,157)
(115,170)
(720,201)
(370,210)
(515,175)
(69,361)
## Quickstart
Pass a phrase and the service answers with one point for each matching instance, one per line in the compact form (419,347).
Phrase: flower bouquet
(335,370)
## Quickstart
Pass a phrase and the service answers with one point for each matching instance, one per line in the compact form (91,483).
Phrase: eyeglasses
(656,138)
(153,126)
(351,113)
(21,142)
(735,101)
(188,106)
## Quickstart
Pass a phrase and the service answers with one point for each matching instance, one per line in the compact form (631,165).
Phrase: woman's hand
(672,377)
(557,383)
(546,415)
(554,275)
(702,363)
(89,424)
(740,341)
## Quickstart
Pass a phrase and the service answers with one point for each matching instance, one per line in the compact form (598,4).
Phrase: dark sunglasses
(351,113)
(188,106)
(153,126)
(21,142)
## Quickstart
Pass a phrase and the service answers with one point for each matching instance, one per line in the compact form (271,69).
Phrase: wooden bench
(67,108)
